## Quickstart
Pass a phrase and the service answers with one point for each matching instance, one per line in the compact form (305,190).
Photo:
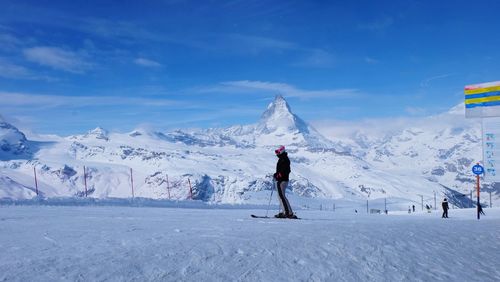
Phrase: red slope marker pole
(168,188)
(36,182)
(190,190)
(85,180)
(132,182)
(478,203)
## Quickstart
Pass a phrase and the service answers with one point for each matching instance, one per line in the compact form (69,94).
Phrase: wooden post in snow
(190,190)
(36,182)
(85,180)
(168,188)
(132,182)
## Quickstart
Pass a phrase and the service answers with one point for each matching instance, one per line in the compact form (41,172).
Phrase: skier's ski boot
(280,215)
(291,216)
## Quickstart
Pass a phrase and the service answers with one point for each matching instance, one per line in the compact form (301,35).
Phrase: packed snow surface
(99,243)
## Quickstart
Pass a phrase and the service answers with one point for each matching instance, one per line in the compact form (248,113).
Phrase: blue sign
(477,169)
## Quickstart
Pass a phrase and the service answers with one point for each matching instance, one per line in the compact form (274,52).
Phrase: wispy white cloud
(378,127)
(14,71)
(253,44)
(316,58)
(263,87)
(147,63)
(9,42)
(9,70)
(416,111)
(378,25)
(124,31)
(426,82)
(58,58)
(370,60)
(15,99)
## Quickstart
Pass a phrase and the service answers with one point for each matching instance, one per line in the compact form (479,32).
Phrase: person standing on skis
(282,177)
(445,206)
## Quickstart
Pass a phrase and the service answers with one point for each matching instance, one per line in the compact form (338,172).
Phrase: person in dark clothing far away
(445,208)
(413,207)
(282,177)
(480,208)
(428,208)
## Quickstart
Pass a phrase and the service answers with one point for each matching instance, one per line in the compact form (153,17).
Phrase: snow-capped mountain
(13,143)
(233,165)
(278,125)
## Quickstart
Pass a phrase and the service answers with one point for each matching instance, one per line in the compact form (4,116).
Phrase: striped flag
(482,100)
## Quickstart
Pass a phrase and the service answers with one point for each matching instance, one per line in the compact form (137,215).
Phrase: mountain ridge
(234,164)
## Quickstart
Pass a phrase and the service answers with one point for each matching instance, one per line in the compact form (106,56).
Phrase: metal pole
(132,182)
(470,199)
(435,200)
(367,206)
(85,179)
(36,182)
(490,201)
(168,188)
(478,203)
(271,196)
(190,190)
(385,204)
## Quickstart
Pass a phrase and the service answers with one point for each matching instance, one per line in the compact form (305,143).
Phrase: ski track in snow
(44,243)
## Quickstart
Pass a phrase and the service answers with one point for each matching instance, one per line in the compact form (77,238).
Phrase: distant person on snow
(413,207)
(281,177)
(480,208)
(445,208)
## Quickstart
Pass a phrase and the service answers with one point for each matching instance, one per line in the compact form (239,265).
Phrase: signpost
(478,170)
(491,148)
(483,101)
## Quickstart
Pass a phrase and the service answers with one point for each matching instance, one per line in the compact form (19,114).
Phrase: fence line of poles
(85,170)
(191,190)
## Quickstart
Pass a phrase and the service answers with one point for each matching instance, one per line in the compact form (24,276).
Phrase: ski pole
(270,197)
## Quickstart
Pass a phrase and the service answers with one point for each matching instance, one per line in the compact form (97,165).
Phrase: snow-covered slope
(234,165)
(47,243)
(441,149)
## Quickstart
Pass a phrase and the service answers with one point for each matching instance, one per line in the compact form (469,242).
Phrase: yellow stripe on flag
(482,90)
(482,100)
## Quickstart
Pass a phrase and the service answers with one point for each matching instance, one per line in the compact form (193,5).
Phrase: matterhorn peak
(279,125)
(278,108)
(279,117)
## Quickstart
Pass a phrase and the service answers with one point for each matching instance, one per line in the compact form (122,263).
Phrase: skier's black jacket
(282,167)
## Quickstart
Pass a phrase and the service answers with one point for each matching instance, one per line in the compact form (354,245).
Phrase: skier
(281,177)
(445,208)
(413,207)
(428,208)
(480,209)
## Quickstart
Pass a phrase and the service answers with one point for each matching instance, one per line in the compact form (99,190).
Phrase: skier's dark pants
(445,213)
(285,205)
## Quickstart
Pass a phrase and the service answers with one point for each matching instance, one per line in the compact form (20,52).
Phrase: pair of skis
(265,216)
(269,204)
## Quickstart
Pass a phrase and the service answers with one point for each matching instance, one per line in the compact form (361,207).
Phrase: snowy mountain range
(235,164)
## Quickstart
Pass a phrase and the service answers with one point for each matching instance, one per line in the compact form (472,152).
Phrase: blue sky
(70,66)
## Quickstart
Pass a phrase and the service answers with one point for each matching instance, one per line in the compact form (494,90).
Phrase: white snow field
(70,243)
